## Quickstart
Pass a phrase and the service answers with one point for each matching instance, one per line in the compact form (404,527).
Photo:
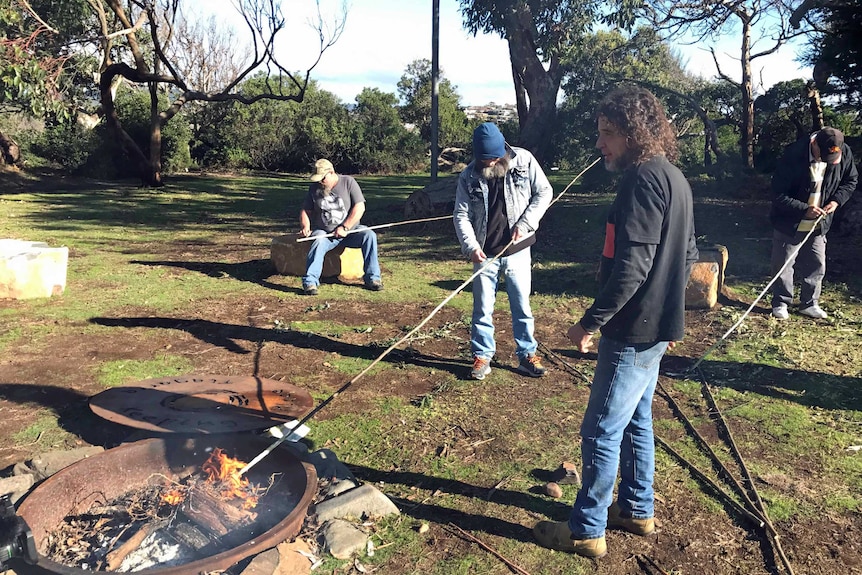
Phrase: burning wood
(215,516)
(199,513)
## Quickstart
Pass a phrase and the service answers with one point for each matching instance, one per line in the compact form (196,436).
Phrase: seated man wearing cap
(334,205)
(501,196)
(814,178)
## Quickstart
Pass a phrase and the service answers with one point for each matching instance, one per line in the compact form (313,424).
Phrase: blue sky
(383,36)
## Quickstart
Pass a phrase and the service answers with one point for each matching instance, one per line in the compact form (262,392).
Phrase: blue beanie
(488,142)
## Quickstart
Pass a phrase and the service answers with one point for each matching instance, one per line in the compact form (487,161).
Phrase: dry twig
(487,548)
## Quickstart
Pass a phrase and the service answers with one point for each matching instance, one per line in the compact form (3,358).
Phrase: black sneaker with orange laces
(532,366)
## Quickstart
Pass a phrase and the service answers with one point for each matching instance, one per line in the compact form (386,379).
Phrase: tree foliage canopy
(414,89)
(834,49)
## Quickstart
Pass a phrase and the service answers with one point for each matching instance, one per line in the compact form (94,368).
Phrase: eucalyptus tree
(834,29)
(607,58)
(150,44)
(539,33)
(705,21)
(41,62)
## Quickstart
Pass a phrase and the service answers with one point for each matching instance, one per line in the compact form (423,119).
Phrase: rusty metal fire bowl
(117,471)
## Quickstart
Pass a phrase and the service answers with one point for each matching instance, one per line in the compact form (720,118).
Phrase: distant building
(497,113)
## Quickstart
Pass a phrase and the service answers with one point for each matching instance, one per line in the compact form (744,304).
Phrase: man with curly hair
(647,257)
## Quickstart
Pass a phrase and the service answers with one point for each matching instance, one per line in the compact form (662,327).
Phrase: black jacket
(791,185)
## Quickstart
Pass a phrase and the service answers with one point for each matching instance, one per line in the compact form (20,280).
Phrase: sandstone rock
(294,558)
(47,464)
(553,490)
(707,278)
(289,257)
(435,199)
(264,563)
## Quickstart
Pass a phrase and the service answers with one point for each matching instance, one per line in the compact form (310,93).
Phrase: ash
(158,548)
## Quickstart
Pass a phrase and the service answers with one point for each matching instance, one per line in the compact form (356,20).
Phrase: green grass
(46,433)
(119,372)
(790,391)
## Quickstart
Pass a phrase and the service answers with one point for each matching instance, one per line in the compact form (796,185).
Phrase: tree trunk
(815,106)
(746,140)
(540,85)
(520,94)
(10,154)
(149,176)
(155,136)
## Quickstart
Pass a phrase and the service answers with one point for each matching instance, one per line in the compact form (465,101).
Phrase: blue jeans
(617,433)
(518,285)
(366,241)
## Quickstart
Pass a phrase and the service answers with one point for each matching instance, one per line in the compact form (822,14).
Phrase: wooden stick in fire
(377,227)
(289,427)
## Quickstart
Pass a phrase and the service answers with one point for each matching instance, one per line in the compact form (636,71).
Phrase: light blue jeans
(617,434)
(518,285)
(366,241)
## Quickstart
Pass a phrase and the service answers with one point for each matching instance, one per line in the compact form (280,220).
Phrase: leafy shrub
(68,145)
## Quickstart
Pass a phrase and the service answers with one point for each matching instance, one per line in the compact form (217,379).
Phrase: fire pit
(115,472)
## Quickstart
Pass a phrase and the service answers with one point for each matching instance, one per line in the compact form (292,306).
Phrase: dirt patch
(251,335)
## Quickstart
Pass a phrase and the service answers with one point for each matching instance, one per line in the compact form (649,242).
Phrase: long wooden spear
(377,227)
(290,426)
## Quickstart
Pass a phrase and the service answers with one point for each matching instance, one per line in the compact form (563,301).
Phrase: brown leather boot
(632,525)
(556,535)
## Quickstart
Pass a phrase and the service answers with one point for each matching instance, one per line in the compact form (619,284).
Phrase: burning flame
(173,497)
(223,472)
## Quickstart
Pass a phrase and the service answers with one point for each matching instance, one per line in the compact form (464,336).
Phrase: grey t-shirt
(328,211)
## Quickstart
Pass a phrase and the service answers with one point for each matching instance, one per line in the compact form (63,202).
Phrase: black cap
(830,140)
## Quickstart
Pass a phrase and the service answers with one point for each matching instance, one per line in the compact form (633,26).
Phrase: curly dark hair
(640,116)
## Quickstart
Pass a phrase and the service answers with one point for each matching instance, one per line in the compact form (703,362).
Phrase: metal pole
(435,88)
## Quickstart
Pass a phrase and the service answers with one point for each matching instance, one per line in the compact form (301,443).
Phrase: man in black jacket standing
(814,178)
(640,310)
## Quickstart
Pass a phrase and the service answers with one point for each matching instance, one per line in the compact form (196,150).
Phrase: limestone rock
(31,269)
(363,501)
(343,538)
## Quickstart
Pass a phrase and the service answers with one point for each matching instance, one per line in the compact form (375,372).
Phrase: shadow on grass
(226,335)
(254,271)
(72,410)
(537,504)
(807,388)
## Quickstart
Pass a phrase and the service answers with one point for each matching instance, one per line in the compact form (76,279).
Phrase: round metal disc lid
(203,404)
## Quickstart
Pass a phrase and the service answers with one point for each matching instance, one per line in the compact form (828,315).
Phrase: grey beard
(498,170)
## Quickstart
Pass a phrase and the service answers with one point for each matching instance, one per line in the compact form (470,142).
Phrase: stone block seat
(707,277)
(31,269)
(289,258)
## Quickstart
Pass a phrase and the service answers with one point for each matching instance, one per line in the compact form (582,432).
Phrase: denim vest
(526,190)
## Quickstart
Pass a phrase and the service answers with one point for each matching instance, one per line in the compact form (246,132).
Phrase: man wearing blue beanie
(500,198)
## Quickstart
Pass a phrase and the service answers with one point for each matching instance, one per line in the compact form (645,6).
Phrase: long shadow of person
(253,271)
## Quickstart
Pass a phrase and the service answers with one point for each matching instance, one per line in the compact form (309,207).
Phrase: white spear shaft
(290,426)
(377,227)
